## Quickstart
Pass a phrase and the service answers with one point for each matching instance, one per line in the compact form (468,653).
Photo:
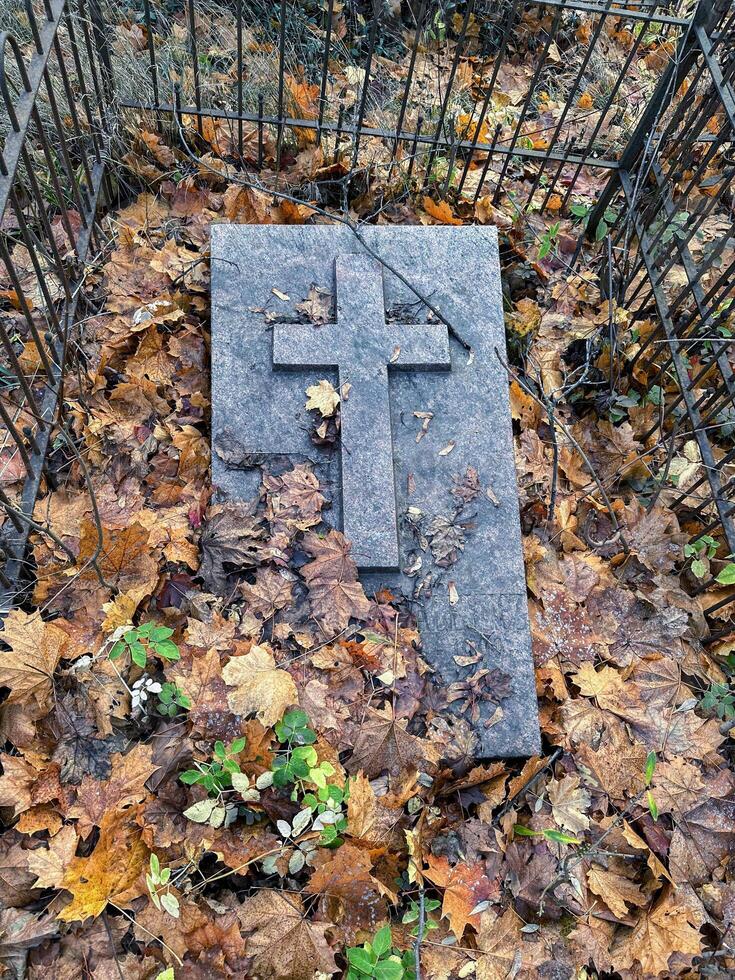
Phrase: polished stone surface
(423,411)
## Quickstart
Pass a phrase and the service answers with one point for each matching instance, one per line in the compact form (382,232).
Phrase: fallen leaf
(282,940)
(259,687)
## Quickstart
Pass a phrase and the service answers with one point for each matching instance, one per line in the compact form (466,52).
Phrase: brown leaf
(615,890)
(49,864)
(272,591)
(283,941)
(383,744)
(569,803)
(664,930)
(465,886)
(125,786)
(352,895)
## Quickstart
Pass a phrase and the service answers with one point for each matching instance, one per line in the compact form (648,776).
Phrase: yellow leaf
(35,649)
(111,872)
(441,212)
(322,398)
(260,687)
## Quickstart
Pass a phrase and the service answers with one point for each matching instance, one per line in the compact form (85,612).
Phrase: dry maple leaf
(332,561)
(666,929)
(505,951)
(383,744)
(293,500)
(273,590)
(125,786)
(35,650)
(569,803)
(465,886)
(441,213)
(111,873)
(677,786)
(49,864)
(352,895)
(260,687)
(232,538)
(322,398)
(282,940)
(615,890)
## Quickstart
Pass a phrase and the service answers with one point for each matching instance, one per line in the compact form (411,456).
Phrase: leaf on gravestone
(232,538)
(259,687)
(293,500)
(383,744)
(49,864)
(332,561)
(662,931)
(616,891)
(273,590)
(318,305)
(111,873)
(125,786)
(35,650)
(465,887)
(569,803)
(322,398)
(282,940)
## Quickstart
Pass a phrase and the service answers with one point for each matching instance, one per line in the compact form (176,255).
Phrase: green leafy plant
(582,212)
(704,547)
(549,240)
(727,575)
(145,640)
(648,776)
(298,764)
(158,880)
(557,836)
(377,959)
(217,775)
(719,699)
(171,701)
(414,911)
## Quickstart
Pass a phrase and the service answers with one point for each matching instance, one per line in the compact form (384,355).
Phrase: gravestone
(425,427)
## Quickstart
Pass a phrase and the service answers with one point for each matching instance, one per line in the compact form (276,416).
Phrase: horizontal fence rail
(281,79)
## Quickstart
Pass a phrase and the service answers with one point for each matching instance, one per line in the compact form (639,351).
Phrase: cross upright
(362,346)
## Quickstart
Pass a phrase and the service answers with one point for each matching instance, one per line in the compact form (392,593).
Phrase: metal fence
(56,93)
(265,74)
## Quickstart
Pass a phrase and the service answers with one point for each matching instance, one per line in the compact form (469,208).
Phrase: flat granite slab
(425,427)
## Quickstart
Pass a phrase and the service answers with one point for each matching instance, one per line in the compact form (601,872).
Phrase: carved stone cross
(363,347)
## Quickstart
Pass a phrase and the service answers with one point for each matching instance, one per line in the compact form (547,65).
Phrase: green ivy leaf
(727,575)
(167,650)
(361,960)
(388,970)
(138,654)
(382,941)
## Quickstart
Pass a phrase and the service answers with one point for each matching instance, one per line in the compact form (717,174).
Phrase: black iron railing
(56,92)
(279,77)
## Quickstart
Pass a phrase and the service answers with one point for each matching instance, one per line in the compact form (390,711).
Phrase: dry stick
(339,219)
(419,935)
(529,391)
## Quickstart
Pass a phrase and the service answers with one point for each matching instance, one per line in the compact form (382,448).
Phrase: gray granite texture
(391,487)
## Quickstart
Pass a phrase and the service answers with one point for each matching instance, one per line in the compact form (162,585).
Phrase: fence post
(706,15)
(102,46)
